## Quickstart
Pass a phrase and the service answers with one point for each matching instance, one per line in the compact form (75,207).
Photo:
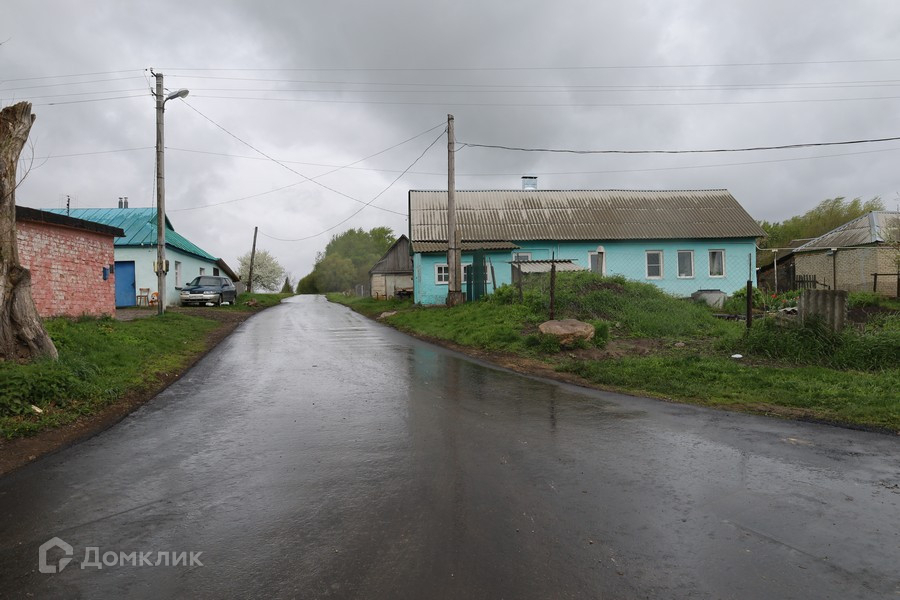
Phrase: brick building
(850,256)
(70,262)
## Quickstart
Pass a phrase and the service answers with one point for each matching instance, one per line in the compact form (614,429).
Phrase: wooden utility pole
(22,333)
(252,258)
(454,259)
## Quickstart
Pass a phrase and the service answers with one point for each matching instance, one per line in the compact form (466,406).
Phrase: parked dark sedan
(206,289)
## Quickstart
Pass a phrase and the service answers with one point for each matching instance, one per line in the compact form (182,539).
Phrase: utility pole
(454,287)
(252,258)
(160,199)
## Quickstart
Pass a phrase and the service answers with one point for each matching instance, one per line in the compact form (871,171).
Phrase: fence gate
(476,277)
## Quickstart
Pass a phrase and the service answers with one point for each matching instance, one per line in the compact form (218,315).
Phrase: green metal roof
(139,225)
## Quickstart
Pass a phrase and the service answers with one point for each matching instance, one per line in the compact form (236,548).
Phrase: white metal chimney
(125,202)
(529,182)
(120,201)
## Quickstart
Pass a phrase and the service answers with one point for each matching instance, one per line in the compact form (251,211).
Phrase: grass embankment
(809,372)
(102,361)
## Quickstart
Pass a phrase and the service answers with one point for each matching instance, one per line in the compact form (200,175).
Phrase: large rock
(567,330)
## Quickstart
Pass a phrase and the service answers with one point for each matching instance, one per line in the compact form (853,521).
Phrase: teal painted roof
(139,225)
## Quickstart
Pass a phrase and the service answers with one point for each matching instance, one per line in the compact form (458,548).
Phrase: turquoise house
(682,241)
(135,253)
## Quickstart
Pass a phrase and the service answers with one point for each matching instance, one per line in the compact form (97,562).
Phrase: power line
(71,75)
(30,97)
(90,100)
(549,68)
(312,179)
(52,156)
(541,173)
(715,150)
(36,87)
(367,204)
(552,105)
(759,85)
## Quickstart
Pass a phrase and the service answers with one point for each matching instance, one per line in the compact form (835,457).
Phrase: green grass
(367,305)
(849,377)
(859,398)
(100,361)
(264,300)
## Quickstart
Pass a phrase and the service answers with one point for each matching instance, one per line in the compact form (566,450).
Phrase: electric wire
(708,151)
(548,68)
(367,204)
(312,179)
(553,105)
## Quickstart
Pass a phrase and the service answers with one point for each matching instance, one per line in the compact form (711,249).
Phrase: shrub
(601,333)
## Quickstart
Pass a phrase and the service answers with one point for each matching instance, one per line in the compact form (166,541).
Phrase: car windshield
(205,281)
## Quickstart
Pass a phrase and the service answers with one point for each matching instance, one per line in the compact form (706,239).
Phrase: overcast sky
(318,85)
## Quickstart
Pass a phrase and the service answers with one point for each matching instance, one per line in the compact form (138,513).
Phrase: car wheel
(219,301)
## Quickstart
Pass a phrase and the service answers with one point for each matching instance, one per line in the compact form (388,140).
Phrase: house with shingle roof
(135,253)
(682,241)
(860,255)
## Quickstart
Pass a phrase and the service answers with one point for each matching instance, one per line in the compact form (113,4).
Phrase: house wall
(852,266)
(626,258)
(145,256)
(386,285)
(67,269)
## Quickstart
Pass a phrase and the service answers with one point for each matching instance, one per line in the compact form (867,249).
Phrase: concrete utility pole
(161,267)
(454,286)
(252,258)
(160,199)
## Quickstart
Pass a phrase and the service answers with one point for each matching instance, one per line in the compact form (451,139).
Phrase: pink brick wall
(67,269)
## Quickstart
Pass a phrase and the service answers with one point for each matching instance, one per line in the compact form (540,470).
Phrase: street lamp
(161,266)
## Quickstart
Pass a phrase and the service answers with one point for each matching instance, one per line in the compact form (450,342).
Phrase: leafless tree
(22,334)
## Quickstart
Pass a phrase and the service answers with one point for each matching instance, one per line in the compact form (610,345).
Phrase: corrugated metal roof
(139,225)
(543,266)
(872,228)
(396,260)
(442,246)
(581,215)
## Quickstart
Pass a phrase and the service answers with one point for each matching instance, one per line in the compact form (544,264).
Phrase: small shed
(392,275)
(71,262)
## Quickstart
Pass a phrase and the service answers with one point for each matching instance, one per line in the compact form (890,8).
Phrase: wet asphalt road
(316,454)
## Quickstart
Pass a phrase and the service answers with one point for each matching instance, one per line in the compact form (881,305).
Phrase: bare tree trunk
(22,334)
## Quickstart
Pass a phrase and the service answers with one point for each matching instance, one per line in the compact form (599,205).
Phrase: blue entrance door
(125,290)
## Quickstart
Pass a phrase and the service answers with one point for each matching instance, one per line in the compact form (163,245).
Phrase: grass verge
(100,360)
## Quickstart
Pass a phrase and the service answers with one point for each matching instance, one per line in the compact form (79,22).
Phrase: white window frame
(647,254)
(678,265)
(487,273)
(437,279)
(600,250)
(516,256)
(202,271)
(709,256)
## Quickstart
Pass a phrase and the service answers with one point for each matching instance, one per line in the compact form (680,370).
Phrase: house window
(215,272)
(202,271)
(178,274)
(441,274)
(717,263)
(597,261)
(654,264)
(686,263)
(487,273)
(520,256)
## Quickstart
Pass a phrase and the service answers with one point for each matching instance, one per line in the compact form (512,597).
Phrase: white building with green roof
(136,253)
